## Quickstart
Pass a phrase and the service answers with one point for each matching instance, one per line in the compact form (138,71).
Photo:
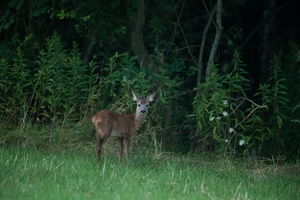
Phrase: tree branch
(217,38)
(249,115)
(200,58)
(244,98)
(137,42)
(183,34)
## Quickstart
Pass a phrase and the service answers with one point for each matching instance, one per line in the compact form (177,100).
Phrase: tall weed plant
(60,93)
(217,108)
(290,131)
(50,92)
(230,122)
(268,129)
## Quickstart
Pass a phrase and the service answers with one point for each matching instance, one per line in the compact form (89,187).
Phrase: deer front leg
(101,139)
(120,149)
(126,142)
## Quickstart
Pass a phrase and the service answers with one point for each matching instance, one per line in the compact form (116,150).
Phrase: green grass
(73,174)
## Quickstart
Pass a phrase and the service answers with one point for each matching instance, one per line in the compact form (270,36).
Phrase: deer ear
(151,97)
(135,96)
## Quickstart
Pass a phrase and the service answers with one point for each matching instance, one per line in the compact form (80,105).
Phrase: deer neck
(139,120)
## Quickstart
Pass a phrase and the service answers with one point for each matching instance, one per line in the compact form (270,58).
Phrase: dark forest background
(226,72)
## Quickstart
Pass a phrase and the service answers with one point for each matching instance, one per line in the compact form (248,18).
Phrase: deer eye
(147,105)
(139,105)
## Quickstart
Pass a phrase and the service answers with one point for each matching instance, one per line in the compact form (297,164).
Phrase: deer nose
(143,111)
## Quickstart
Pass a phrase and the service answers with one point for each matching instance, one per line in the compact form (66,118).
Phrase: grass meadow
(28,173)
(59,164)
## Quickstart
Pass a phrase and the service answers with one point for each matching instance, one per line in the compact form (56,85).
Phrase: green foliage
(43,81)
(53,91)
(295,109)
(121,75)
(269,126)
(60,91)
(15,86)
(290,113)
(237,126)
(216,108)
(6,20)
(104,22)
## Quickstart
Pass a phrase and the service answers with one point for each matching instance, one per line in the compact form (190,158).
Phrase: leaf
(38,11)
(16,4)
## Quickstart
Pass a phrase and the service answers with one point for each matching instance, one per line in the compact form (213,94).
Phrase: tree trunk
(268,36)
(137,42)
(217,38)
(203,41)
(218,24)
(88,50)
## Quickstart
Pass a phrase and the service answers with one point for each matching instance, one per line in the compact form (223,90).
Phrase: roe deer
(109,123)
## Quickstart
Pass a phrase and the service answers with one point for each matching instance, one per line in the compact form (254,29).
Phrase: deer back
(114,124)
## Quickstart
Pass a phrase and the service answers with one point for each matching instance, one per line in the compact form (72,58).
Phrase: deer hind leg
(120,149)
(126,143)
(101,139)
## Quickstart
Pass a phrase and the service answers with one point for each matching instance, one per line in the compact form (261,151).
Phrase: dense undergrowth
(48,102)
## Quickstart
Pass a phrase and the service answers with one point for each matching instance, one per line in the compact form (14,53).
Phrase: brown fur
(124,127)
